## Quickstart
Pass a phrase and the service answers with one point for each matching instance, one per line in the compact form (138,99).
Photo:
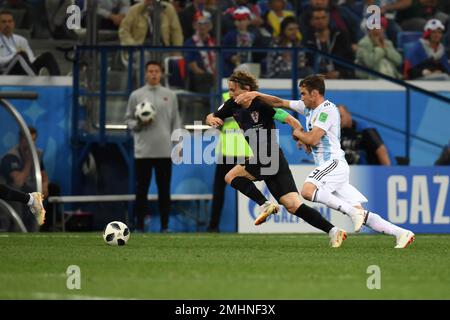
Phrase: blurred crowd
(411,40)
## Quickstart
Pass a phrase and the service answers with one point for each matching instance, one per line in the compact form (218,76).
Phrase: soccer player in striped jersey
(256,119)
(329,183)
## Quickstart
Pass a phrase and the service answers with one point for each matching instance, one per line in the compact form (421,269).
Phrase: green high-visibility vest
(232,142)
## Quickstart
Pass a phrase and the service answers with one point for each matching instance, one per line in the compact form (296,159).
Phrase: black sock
(313,217)
(248,188)
(10,194)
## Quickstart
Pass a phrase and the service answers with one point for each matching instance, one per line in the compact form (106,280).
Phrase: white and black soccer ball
(116,233)
(145,111)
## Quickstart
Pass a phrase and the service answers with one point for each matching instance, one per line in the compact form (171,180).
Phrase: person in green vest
(231,149)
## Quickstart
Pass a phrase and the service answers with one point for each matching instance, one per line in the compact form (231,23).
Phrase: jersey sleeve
(326,118)
(225,110)
(297,106)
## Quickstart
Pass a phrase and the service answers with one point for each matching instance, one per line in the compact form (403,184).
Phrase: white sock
(326,197)
(31,201)
(377,223)
(332,231)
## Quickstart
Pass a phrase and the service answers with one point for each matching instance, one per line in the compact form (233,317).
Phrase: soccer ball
(116,233)
(145,111)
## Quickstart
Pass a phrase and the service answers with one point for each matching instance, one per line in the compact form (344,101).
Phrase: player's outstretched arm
(311,138)
(247,98)
(213,121)
(293,122)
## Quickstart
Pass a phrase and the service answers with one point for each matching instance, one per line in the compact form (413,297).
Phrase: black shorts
(280,183)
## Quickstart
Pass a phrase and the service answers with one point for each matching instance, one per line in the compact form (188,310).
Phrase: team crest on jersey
(255,116)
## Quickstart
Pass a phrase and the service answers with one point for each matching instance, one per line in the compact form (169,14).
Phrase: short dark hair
(31,129)
(244,78)
(155,63)
(318,9)
(285,22)
(2,12)
(314,82)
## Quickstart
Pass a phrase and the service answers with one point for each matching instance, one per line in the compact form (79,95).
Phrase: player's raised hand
(246,98)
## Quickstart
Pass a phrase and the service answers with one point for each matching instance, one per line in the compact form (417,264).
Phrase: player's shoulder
(230,103)
(328,105)
(258,103)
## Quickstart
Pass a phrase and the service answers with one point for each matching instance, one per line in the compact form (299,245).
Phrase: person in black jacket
(331,41)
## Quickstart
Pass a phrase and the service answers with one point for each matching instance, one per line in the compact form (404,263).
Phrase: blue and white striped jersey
(325,116)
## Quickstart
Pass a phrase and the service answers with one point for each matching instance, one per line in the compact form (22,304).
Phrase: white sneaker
(405,239)
(267,209)
(37,207)
(337,237)
(358,220)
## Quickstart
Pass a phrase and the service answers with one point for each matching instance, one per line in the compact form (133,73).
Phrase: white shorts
(334,176)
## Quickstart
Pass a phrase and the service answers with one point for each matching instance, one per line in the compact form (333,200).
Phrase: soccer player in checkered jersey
(329,183)
(257,119)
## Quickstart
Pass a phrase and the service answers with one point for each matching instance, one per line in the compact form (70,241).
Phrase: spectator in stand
(256,19)
(359,9)
(412,15)
(275,16)
(340,18)
(331,41)
(427,59)
(240,37)
(188,15)
(280,63)
(57,16)
(137,29)
(179,6)
(16,56)
(111,13)
(201,65)
(377,53)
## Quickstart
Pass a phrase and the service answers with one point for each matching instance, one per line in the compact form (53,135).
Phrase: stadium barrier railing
(196,216)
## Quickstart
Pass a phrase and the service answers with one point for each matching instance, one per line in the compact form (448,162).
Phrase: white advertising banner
(283,221)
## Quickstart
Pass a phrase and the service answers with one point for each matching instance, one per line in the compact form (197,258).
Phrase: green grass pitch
(222,266)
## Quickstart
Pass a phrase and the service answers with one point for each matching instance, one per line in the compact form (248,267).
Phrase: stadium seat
(175,72)
(405,38)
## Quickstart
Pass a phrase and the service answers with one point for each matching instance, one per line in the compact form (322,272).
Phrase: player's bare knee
(308,191)
(291,202)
